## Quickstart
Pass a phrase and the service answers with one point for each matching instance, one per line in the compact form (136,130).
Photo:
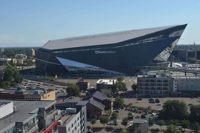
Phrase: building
(94,108)
(106,86)
(186,85)
(107,102)
(74,116)
(6,108)
(19,59)
(1,73)
(119,52)
(185,53)
(37,94)
(83,85)
(27,116)
(142,126)
(73,121)
(154,85)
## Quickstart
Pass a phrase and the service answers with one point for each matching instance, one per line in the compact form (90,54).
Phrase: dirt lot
(155,106)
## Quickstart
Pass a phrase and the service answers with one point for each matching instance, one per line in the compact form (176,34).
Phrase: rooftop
(100,39)
(99,96)
(106,81)
(32,91)
(24,111)
(3,103)
(96,103)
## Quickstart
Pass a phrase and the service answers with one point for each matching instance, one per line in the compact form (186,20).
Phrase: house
(94,108)
(100,97)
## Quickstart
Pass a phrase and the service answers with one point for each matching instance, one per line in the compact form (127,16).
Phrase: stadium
(118,52)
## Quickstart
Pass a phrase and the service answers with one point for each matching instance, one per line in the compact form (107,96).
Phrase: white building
(106,85)
(186,84)
(70,123)
(6,108)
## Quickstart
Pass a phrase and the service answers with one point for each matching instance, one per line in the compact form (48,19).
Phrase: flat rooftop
(106,81)
(33,91)
(66,118)
(24,111)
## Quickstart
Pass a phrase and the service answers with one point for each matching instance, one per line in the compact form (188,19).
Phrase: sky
(31,23)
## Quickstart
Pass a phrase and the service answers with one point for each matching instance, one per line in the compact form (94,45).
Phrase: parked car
(139,98)
(157,100)
(151,100)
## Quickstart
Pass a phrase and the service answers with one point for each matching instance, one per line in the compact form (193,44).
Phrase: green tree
(195,113)
(134,87)
(172,129)
(174,109)
(104,119)
(114,116)
(93,121)
(196,126)
(73,90)
(119,103)
(11,76)
(120,86)
(125,121)
(124,131)
(130,116)
(185,123)
(120,79)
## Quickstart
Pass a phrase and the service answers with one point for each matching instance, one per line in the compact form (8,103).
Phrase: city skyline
(33,23)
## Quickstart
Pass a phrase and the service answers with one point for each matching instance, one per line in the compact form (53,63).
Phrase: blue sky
(34,22)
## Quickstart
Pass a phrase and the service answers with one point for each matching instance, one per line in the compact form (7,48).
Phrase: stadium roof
(100,39)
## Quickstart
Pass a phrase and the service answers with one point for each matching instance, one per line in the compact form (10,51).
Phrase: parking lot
(158,106)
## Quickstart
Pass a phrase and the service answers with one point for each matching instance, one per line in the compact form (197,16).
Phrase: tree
(104,119)
(120,86)
(174,109)
(185,123)
(93,121)
(172,129)
(119,103)
(196,126)
(124,131)
(73,90)
(125,121)
(130,116)
(11,76)
(114,116)
(134,87)
(120,79)
(195,113)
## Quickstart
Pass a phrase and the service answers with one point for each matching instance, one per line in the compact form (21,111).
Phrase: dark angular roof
(100,39)
(96,103)
(100,96)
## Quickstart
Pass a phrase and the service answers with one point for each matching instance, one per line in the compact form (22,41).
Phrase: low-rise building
(27,116)
(154,85)
(6,108)
(37,94)
(74,117)
(83,85)
(106,85)
(186,85)
(142,126)
(94,108)
(102,98)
